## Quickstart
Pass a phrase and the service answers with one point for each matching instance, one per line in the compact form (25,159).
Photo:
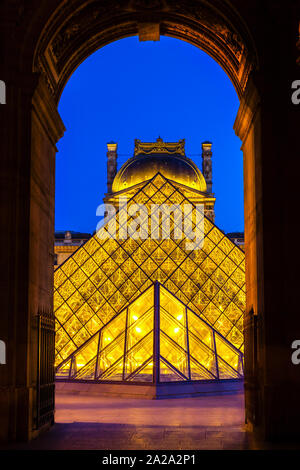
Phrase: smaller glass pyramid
(156,339)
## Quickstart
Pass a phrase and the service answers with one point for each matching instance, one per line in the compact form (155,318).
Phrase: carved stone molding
(159,146)
(247,111)
(79,28)
(44,107)
(213,22)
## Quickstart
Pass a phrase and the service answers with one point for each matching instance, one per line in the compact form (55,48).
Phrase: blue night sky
(131,89)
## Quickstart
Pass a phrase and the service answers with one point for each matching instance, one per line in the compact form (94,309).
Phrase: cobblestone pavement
(93,422)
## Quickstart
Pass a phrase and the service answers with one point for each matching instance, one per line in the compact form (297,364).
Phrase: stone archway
(78,30)
(48,43)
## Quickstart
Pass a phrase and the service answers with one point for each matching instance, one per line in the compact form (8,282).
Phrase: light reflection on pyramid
(103,276)
(155,339)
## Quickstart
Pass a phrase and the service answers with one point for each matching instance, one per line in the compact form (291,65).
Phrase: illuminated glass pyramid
(104,275)
(155,339)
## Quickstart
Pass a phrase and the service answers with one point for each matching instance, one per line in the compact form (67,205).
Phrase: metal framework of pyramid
(104,275)
(155,339)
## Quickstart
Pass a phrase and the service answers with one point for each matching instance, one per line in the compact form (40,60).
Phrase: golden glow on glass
(104,276)
(189,348)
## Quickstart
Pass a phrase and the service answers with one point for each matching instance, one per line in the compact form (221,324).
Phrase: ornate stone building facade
(65,243)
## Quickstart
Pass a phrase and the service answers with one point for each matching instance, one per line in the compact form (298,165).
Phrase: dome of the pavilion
(166,158)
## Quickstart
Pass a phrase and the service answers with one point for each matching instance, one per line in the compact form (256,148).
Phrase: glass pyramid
(155,339)
(104,275)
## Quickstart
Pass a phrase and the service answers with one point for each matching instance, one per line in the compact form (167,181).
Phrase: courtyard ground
(94,422)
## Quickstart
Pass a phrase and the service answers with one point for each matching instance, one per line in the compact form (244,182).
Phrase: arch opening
(203,188)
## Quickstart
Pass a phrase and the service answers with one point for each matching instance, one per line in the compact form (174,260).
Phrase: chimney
(207,164)
(111,164)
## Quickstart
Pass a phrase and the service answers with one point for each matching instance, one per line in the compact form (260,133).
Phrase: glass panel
(237,255)
(227,353)
(81,337)
(219,277)
(63,371)
(67,350)
(89,267)
(211,313)
(144,373)
(168,266)
(59,277)
(61,339)
(236,338)
(136,356)
(223,325)
(111,355)
(113,329)
(84,313)
(117,301)
(141,305)
(78,278)
(200,300)
(233,313)
(57,300)
(217,255)
(85,355)
(88,371)
(226,245)
(91,245)
(199,372)
(174,329)
(66,289)
(210,288)
(175,308)
(94,324)
(231,288)
(63,313)
(72,326)
(139,327)
(69,266)
(203,355)
(107,312)
(179,277)
(115,372)
(139,346)
(239,277)
(200,329)
(228,266)
(75,301)
(167,373)
(199,277)
(226,372)
(149,266)
(215,235)
(173,353)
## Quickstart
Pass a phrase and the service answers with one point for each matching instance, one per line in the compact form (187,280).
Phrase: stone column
(268,125)
(207,164)
(111,164)
(29,132)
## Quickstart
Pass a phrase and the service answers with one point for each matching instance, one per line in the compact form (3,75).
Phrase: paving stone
(93,422)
